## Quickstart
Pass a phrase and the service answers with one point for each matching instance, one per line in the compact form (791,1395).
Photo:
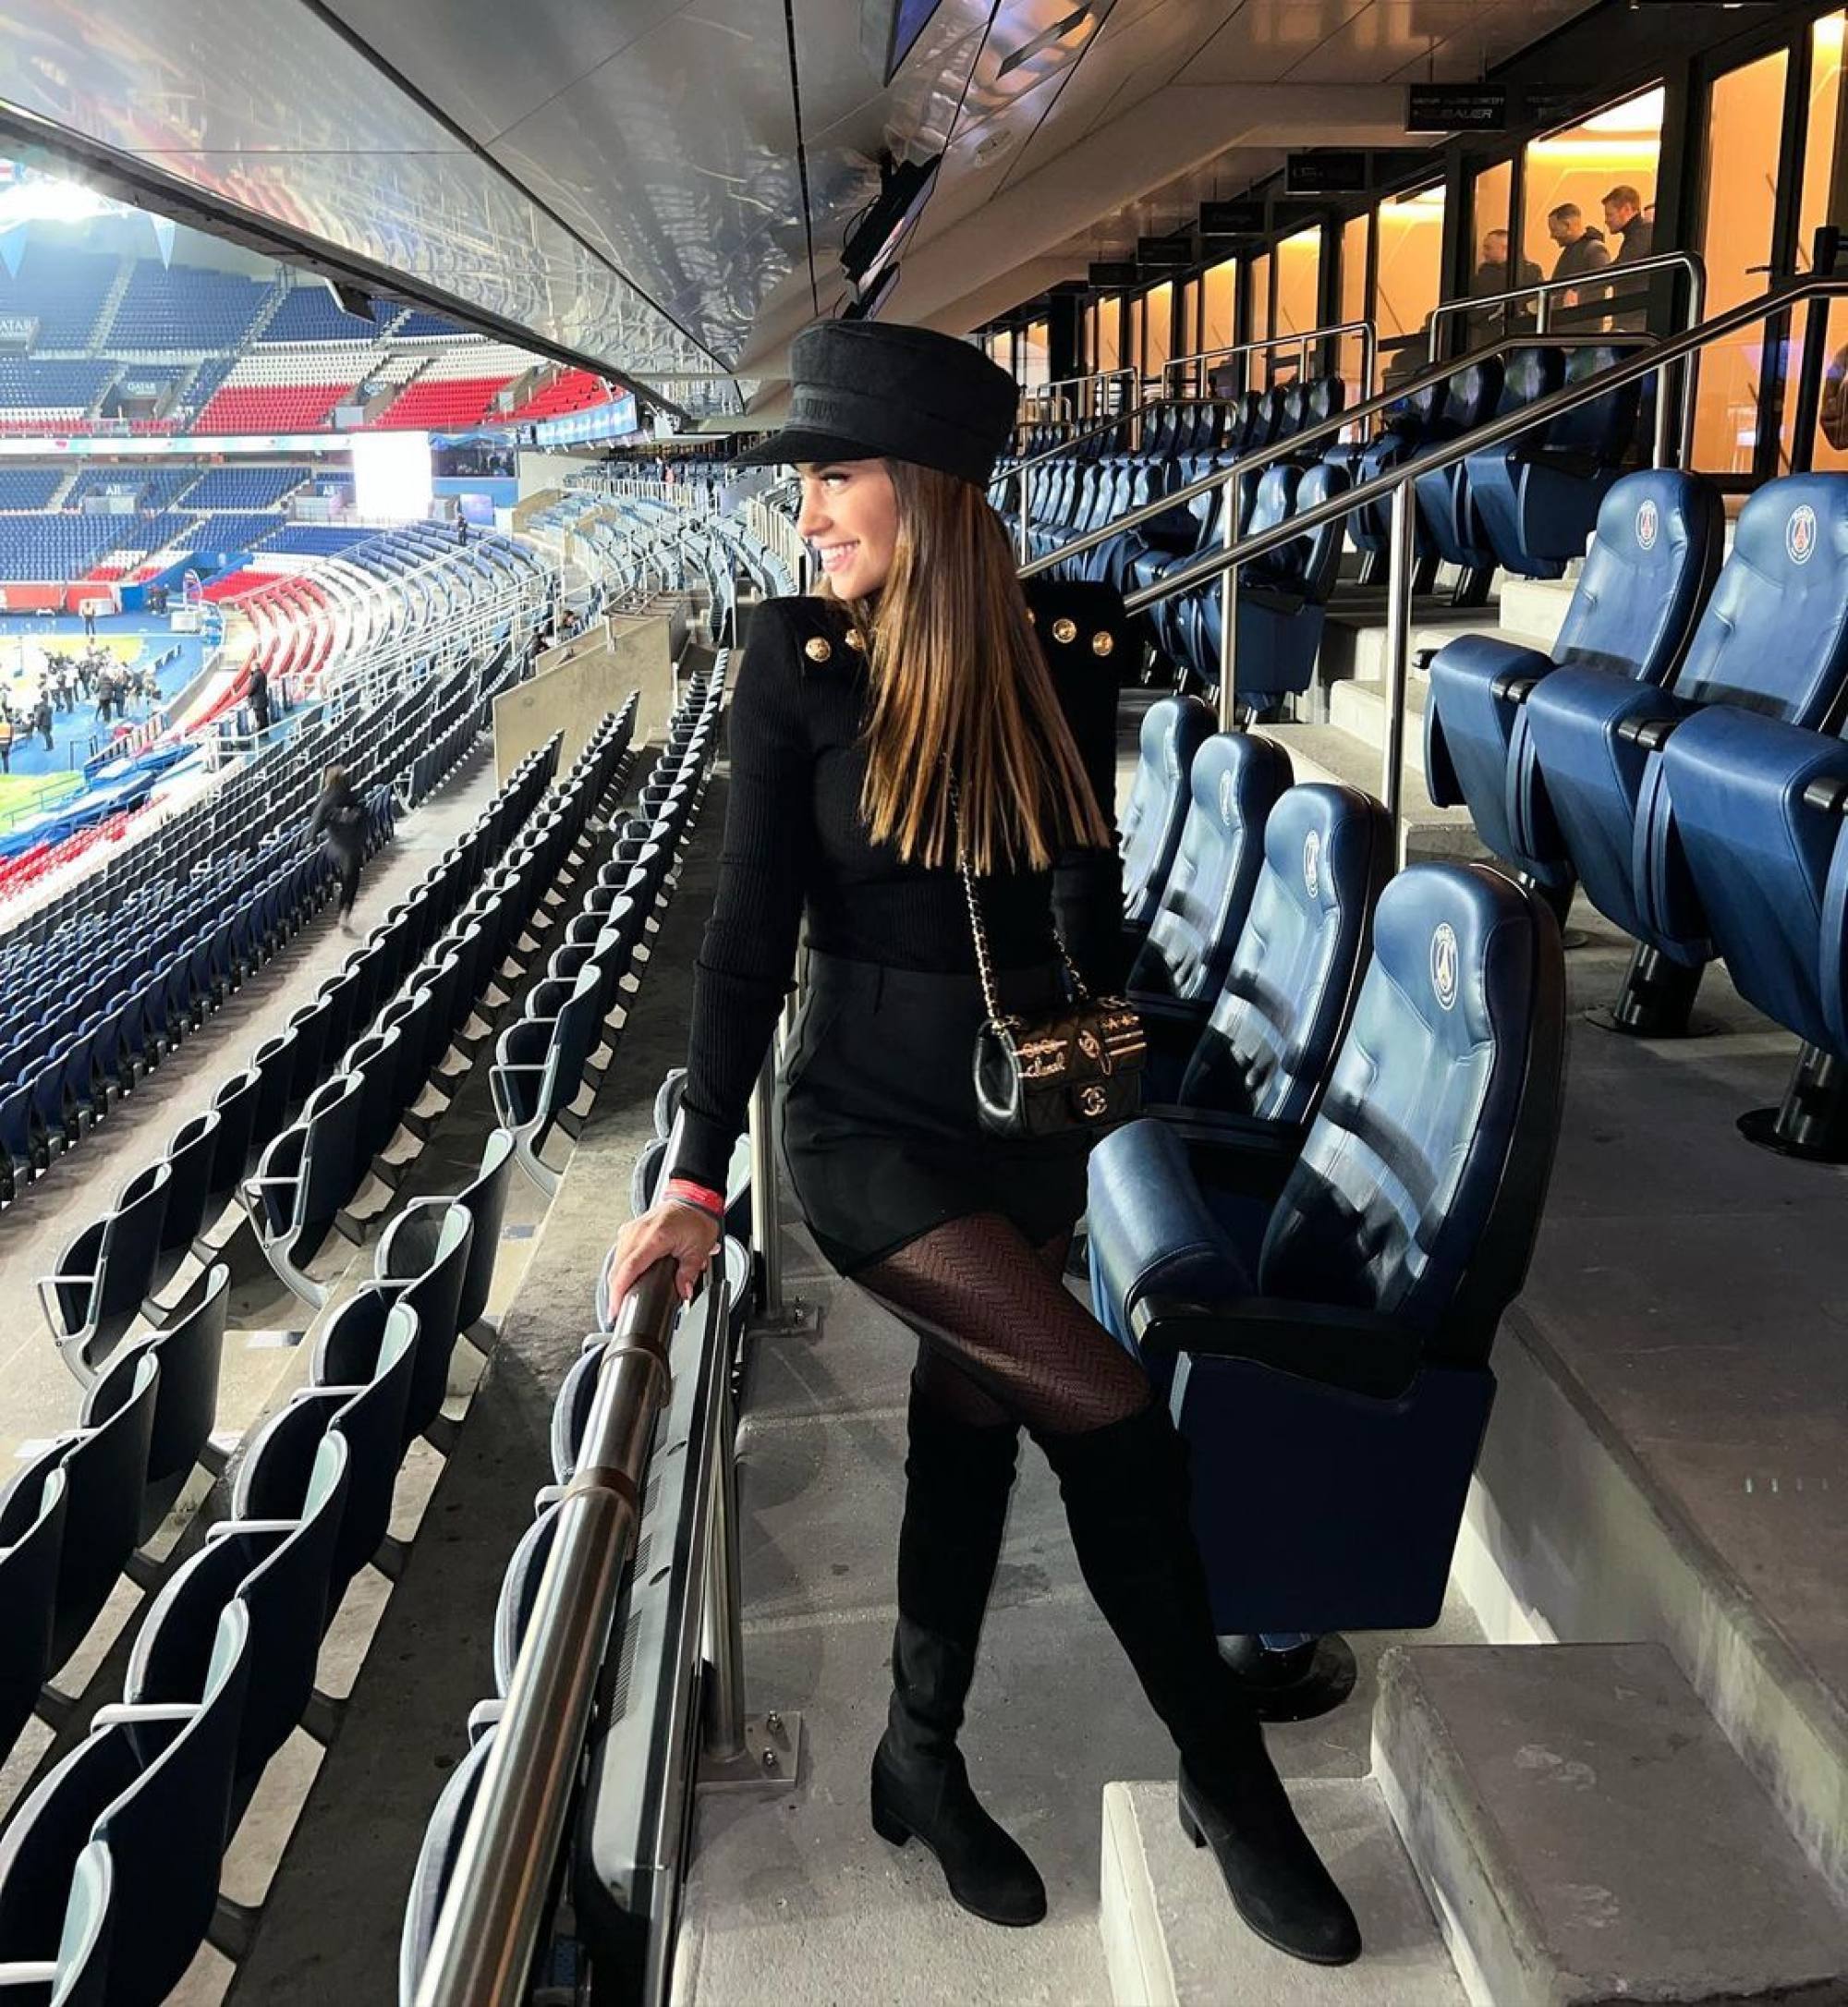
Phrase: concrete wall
(577,682)
(538,471)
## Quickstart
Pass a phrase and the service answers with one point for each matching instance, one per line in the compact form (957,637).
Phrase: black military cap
(868,391)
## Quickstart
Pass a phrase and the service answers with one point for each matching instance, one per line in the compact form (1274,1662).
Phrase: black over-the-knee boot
(957,1478)
(1125,1491)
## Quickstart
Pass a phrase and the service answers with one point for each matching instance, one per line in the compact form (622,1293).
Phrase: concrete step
(1327,753)
(1354,645)
(1586,1834)
(1536,607)
(1172,1938)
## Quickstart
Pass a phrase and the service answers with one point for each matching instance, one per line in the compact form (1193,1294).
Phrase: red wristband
(701,1196)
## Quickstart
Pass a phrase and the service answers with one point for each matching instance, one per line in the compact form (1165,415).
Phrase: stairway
(112,300)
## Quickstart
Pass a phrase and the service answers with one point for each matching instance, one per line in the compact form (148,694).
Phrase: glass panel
(1132,335)
(1260,314)
(1410,274)
(1188,337)
(1818,161)
(1107,353)
(1295,298)
(1036,356)
(1222,306)
(1568,175)
(1354,238)
(1491,203)
(1158,310)
(1744,123)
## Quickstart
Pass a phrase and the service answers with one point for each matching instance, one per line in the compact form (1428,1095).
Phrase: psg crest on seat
(1800,534)
(1648,523)
(1443,965)
(1312,862)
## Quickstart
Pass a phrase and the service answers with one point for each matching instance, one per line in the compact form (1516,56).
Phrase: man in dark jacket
(340,820)
(1634,236)
(41,717)
(260,697)
(1496,274)
(1582,248)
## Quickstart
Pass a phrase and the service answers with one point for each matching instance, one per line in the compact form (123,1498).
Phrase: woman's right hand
(666,1231)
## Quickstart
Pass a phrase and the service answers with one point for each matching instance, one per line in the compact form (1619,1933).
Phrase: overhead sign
(1113,272)
(1163,251)
(1456,108)
(1325,172)
(18,330)
(1232,219)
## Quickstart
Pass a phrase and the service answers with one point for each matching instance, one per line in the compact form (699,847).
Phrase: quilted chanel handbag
(1076,1067)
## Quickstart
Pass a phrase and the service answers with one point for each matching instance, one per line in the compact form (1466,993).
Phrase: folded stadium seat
(191,1153)
(1446,508)
(525,1566)
(1180,968)
(189,1352)
(1324,1321)
(75,1974)
(1262,497)
(484,1199)
(1419,421)
(105,1274)
(1172,731)
(1660,539)
(436,1858)
(303,1180)
(360,1388)
(279,1568)
(273,1064)
(1537,496)
(422,1262)
(152,1787)
(313,1047)
(31,1534)
(1283,606)
(1773,639)
(1759,813)
(107,1469)
(1258,1064)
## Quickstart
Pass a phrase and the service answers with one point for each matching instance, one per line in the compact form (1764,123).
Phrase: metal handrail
(1542,290)
(499,1889)
(1397,484)
(1281,449)
(1369,347)
(1097,376)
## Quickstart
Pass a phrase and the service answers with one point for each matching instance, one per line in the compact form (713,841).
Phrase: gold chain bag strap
(1074,1068)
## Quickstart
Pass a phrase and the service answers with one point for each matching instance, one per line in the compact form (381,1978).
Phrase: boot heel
(1189,1824)
(888,1828)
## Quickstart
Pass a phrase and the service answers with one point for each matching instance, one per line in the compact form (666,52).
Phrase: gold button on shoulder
(1032,618)
(1064,631)
(817,648)
(1102,642)
(854,641)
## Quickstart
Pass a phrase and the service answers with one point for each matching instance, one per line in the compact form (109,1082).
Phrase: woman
(340,820)
(918,661)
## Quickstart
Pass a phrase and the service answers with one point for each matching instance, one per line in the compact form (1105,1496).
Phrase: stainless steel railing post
(1228,612)
(1402,561)
(766,1222)
(724,1634)
(1025,473)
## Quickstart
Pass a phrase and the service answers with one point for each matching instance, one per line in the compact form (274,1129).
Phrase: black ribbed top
(794,845)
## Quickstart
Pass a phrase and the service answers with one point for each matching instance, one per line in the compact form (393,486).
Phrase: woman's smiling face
(850,516)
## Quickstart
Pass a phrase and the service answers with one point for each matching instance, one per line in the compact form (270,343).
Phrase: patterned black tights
(1001,1338)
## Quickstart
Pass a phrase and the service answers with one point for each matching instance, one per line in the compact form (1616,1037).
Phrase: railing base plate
(770,1759)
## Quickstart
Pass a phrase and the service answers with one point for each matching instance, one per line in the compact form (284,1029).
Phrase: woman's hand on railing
(670,1231)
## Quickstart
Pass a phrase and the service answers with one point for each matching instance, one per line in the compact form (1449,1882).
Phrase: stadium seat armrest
(1650,733)
(27,1972)
(123,1713)
(1829,796)
(1516,689)
(229,1529)
(1357,1351)
(1423,658)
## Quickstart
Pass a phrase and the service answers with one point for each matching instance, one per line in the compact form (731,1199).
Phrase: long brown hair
(959,685)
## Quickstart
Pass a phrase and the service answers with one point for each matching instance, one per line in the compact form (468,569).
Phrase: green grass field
(24,795)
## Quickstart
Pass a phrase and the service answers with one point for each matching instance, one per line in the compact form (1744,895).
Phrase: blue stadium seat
(1773,640)
(422,1262)
(1236,780)
(303,1180)
(105,1274)
(77,1973)
(1660,536)
(1537,496)
(154,1786)
(31,1537)
(1323,1324)
(1258,1064)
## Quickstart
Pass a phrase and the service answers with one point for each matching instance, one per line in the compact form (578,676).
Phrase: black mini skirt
(878,1112)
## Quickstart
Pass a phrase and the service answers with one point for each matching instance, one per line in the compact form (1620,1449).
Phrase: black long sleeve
(794,843)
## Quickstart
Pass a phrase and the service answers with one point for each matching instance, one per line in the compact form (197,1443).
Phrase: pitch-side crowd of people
(68,682)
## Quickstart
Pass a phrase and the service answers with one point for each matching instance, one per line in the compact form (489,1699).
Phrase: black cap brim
(795,443)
